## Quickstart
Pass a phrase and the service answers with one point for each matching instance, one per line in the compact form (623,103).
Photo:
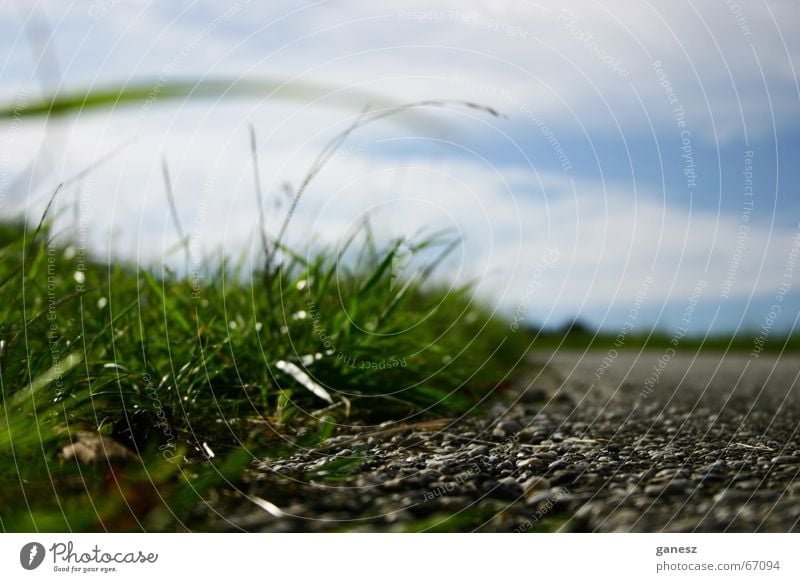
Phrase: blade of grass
(46,378)
(152,92)
(168,306)
(173,210)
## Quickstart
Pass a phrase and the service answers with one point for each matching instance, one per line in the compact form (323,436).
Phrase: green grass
(202,373)
(582,337)
(175,366)
(146,94)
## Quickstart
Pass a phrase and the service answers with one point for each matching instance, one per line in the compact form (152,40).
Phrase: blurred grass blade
(155,92)
(304,380)
(170,305)
(47,377)
(381,269)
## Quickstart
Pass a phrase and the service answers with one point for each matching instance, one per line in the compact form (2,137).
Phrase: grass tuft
(185,372)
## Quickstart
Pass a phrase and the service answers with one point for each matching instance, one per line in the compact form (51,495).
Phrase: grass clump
(199,374)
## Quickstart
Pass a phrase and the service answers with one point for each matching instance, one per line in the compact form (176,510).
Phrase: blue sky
(657,109)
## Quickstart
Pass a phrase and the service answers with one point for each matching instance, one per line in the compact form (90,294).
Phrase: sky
(643,171)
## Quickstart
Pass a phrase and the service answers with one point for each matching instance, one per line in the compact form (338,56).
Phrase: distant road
(766,382)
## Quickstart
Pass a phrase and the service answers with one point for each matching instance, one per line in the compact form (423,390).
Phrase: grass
(201,374)
(578,336)
(146,94)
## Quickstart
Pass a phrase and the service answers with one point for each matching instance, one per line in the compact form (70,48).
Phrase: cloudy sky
(647,157)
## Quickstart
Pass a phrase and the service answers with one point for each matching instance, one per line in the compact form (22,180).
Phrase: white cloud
(609,236)
(712,54)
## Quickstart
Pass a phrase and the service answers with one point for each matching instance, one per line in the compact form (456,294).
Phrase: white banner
(402,557)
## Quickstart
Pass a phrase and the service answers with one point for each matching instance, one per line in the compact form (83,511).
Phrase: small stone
(533,394)
(559,464)
(564,477)
(509,426)
(551,497)
(783,459)
(478,451)
(731,496)
(748,484)
(670,474)
(712,476)
(429,474)
(674,486)
(510,484)
(595,510)
(562,397)
(531,463)
(90,447)
(535,484)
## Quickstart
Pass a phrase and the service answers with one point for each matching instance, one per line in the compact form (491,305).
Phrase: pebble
(535,484)
(509,426)
(711,476)
(670,487)
(784,459)
(543,496)
(559,464)
(534,394)
(530,463)
(478,451)
(510,484)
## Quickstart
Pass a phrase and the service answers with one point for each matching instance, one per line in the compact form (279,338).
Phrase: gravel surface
(596,442)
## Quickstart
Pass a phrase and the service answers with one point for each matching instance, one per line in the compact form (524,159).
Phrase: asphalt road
(715,437)
(597,442)
(628,378)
